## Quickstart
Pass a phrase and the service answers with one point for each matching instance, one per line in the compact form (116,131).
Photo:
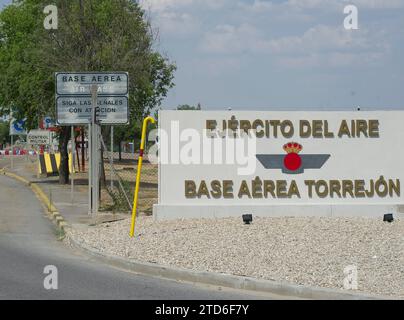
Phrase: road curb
(15,177)
(221,280)
(51,210)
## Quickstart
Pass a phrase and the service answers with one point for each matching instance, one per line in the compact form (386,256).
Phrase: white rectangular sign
(317,162)
(79,84)
(39,137)
(77,110)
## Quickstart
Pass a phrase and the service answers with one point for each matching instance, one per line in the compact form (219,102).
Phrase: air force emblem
(293,162)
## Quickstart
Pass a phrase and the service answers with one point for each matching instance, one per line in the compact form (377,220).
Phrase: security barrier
(49,163)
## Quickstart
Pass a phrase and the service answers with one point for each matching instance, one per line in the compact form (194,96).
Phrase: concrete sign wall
(280,163)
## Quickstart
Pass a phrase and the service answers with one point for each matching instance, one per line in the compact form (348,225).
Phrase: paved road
(28,243)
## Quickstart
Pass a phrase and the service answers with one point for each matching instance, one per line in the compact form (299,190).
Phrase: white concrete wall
(350,158)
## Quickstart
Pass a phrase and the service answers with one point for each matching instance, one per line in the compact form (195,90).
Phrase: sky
(281,54)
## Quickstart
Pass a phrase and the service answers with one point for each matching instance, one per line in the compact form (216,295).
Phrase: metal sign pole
(90,182)
(94,150)
(73,147)
(12,152)
(112,157)
(26,151)
(96,166)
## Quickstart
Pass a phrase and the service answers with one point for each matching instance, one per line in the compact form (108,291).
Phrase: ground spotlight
(388,217)
(247,218)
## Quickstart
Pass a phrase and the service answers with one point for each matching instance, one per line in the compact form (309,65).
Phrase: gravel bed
(306,251)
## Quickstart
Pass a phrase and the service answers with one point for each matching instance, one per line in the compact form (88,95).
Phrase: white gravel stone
(306,251)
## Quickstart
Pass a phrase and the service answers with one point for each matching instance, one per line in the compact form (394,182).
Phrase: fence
(118,178)
(118,175)
(9,153)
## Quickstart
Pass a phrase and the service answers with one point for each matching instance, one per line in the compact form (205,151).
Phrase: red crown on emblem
(292,147)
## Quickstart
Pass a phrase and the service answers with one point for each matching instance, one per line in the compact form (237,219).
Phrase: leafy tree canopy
(189,107)
(4,132)
(92,35)
(102,35)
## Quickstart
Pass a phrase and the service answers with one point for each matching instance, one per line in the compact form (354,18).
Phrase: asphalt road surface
(28,243)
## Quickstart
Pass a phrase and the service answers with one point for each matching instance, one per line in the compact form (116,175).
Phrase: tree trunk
(64,155)
(83,150)
(120,150)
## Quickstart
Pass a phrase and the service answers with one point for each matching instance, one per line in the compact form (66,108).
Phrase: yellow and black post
(139,168)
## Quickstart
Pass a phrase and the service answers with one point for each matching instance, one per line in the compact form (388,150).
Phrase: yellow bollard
(139,168)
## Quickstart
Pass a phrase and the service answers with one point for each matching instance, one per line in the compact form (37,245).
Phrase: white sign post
(95,145)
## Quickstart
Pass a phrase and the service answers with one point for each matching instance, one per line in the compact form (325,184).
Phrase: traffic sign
(74,98)
(92,98)
(77,110)
(48,123)
(39,137)
(17,127)
(79,83)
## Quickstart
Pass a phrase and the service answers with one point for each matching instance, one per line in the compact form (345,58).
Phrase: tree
(189,107)
(101,35)
(4,133)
